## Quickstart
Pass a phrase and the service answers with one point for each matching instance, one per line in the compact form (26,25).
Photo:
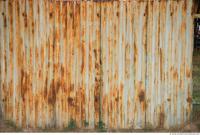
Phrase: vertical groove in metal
(101,72)
(1,58)
(146,66)
(126,64)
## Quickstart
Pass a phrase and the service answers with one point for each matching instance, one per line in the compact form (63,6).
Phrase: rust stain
(25,19)
(25,84)
(141,93)
(175,75)
(52,94)
(188,73)
(141,96)
(117,99)
(161,64)
(62,49)
(5,21)
(189,100)
(161,119)
(70,101)
(168,99)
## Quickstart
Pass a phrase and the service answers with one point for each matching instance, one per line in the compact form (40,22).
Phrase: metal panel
(126,64)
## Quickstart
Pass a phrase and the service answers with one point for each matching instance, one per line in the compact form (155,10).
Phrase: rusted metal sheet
(126,64)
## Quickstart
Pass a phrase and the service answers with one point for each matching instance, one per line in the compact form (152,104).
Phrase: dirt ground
(6,126)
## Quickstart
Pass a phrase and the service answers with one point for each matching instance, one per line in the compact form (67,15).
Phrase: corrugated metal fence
(124,63)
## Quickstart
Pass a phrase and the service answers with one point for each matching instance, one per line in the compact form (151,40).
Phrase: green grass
(196,76)
(101,126)
(86,124)
(196,96)
(11,124)
(198,126)
(71,126)
(196,84)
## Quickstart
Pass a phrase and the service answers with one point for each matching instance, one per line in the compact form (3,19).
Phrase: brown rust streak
(64,71)
(83,49)
(77,44)
(25,83)
(161,64)
(188,73)
(189,99)
(29,28)
(71,55)
(17,55)
(175,74)
(10,67)
(161,119)
(142,96)
(5,85)
(97,68)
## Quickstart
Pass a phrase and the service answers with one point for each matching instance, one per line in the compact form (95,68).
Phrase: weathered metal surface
(125,63)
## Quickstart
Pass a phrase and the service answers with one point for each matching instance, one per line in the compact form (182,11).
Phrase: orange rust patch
(25,19)
(161,67)
(70,101)
(96,100)
(45,88)
(5,21)
(136,53)
(117,14)
(52,94)
(71,88)
(82,104)
(175,75)
(171,69)
(141,96)
(116,99)
(189,100)
(98,15)
(161,119)
(188,73)
(168,99)
(144,106)
(24,84)
(181,83)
